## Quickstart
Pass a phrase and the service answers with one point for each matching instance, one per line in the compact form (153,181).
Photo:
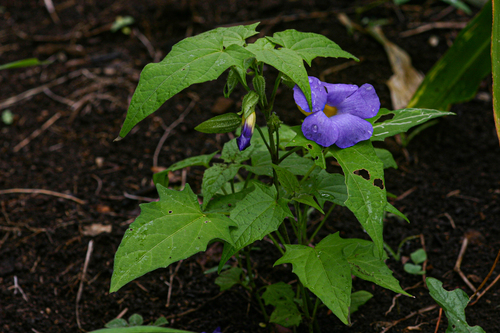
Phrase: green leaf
(231,83)
(226,203)
(135,320)
(288,62)
(140,329)
(393,210)
(366,196)
(160,321)
(259,84)
(257,215)
(232,154)
(386,157)
(117,322)
(260,45)
(324,271)
(121,22)
(418,256)
(495,60)
(281,296)
(367,265)
(203,160)
(228,278)
(249,102)
(309,45)
(457,75)
(315,150)
(192,60)
(232,35)
(453,304)
(413,269)
(287,179)
(23,63)
(297,165)
(172,229)
(308,200)
(402,120)
(223,123)
(215,177)
(326,187)
(459,5)
(359,298)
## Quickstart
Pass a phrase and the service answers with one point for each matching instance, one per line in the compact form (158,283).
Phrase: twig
(406,193)
(171,127)
(37,132)
(58,98)
(394,323)
(121,314)
(52,11)
(457,269)
(393,304)
(17,288)
(144,40)
(80,288)
(424,266)
(35,91)
(195,309)
(99,184)
(439,319)
(46,192)
(338,68)
(449,219)
(434,25)
(172,282)
(137,197)
(486,279)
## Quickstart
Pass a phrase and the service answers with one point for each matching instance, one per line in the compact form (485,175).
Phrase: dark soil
(448,183)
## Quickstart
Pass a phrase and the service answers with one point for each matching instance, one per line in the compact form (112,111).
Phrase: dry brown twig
(37,132)
(52,11)
(479,295)
(17,288)
(32,92)
(433,25)
(194,99)
(457,269)
(41,191)
(394,323)
(172,275)
(80,288)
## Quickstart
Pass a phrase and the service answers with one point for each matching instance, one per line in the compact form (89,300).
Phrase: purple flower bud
(246,132)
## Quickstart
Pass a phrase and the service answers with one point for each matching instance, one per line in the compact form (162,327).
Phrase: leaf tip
(118,138)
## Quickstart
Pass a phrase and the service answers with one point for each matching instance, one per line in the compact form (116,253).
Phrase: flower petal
(351,130)
(338,92)
(318,96)
(363,103)
(320,129)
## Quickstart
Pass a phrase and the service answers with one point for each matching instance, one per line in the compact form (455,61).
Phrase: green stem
(308,174)
(284,232)
(263,138)
(288,153)
(314,321)
(276,243)
(254,287)
(273,94)
(322,222)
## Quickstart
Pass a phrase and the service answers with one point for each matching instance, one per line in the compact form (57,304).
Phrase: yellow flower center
(330,111)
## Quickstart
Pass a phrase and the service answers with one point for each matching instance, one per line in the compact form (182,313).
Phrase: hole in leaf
(316,158)
(130,229)
(384,118)
(309,146)
(170,212)
(363,173)
(379,183)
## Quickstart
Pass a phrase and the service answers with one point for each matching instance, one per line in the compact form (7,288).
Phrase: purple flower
(338,112)
(246,132)
(217,330)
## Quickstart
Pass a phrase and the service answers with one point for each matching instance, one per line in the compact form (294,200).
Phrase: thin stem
(278,233)
(276,244)
(308,174)
(284,232)
(288,153)
(254,287)
(273,95)
(322,222)
(263,138)
(314,321)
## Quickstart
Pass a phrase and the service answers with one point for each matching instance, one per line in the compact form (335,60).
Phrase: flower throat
(330,111)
